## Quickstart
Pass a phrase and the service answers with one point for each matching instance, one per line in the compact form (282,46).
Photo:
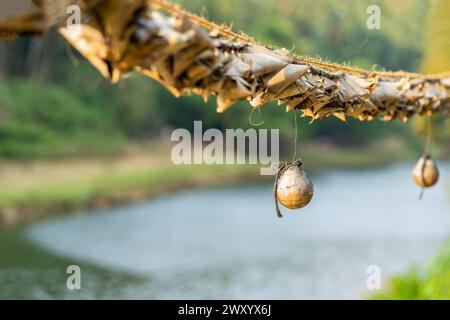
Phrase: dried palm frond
(118,36)
(31,17)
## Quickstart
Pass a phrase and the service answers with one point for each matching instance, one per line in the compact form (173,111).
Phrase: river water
(227,242)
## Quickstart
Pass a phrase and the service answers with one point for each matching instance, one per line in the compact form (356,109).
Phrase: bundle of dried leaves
(118,36)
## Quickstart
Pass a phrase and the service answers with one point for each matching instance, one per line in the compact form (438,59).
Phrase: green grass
(112,184)
(20,204)
(415,284)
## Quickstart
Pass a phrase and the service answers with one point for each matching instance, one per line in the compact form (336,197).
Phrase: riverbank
(34,189)
(226,243)
(59,187)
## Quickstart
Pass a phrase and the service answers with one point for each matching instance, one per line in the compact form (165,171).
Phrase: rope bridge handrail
(118,36)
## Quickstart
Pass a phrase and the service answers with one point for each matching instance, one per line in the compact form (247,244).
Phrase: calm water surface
(227,243)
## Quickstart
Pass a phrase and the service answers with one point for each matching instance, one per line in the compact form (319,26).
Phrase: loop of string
(250,119)
(226,31)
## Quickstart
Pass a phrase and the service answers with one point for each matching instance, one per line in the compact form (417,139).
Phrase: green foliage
(335,30)
(437,30)
(433,283)
(50,120)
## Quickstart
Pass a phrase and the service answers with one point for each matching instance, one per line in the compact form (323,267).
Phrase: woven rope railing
(188,54)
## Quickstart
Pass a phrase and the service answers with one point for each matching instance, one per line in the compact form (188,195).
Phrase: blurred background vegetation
(55,105)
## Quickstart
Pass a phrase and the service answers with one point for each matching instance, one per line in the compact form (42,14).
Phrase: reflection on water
(227,243)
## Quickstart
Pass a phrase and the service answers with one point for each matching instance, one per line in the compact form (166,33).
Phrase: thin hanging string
(226,31)
(426,152)
(295,136)
(250,119)
(282,167)
(429,136)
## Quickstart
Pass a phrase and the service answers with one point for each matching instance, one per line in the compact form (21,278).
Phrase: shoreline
(64,186)
(12,216)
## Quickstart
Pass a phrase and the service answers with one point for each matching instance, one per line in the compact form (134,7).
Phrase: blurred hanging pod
(425,173)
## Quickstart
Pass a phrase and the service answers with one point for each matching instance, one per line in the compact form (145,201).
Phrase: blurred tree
(436,59)
(437,34)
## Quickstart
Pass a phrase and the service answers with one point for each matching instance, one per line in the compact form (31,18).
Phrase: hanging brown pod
(425,173)
(293,189)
